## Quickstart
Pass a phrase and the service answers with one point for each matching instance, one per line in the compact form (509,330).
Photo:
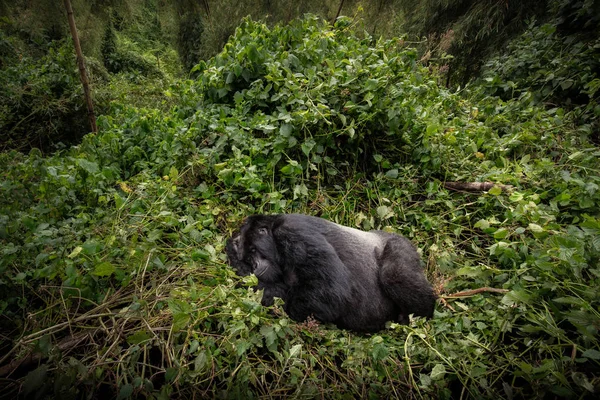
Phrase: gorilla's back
(358,251)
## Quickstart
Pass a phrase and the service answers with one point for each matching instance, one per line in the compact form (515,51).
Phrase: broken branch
(468,293)
(475,186)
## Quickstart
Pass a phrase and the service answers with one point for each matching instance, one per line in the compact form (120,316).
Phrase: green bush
(552,70)
(42,100)
(116,59)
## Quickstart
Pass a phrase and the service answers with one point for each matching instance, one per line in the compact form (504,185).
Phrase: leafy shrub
(460,35)
(41,100)
(555,69)
(547,68)
(118,60)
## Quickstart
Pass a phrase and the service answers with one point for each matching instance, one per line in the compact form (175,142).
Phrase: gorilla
(354,279)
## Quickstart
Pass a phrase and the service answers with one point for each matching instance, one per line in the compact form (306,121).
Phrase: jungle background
(372,114)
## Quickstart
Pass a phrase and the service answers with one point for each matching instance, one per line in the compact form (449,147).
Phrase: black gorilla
(357,280)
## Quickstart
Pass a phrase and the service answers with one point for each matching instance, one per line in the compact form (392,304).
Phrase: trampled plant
(113,272)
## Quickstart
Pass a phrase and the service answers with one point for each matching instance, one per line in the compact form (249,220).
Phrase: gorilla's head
(253,250)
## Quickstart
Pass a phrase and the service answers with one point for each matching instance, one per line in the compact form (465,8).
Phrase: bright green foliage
(122,237)
(295,84)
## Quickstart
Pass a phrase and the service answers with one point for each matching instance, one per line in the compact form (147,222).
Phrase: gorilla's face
(253,250)
(234,255)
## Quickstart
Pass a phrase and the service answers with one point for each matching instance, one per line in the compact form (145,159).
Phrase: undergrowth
(113,275)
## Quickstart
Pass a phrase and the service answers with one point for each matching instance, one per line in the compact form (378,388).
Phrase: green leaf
(138,337)
(431,129)
(119,201)
(285,130)
(173,173)
(198,255)
(35,379)
(495,191)
(180,321)
(380,351)
(392,174)
(91,247)
(307,146)
(501,233)
(566,84)
(383,212)
(516,196)
(230,77)
(253,54)
(270,336)
(371,84)
(438,372)
(181,313)
(295,350)
(471,272)
(89,166)
(154,235)
(104,269)
(516,296)
(482,224)
(171,374)
(535,228)
(592,354)
(200,362)
(75,252)
(125,392)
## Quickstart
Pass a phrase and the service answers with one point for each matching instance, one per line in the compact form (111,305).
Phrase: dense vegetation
(112,270)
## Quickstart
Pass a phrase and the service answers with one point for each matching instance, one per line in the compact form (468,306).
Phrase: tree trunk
(82,72)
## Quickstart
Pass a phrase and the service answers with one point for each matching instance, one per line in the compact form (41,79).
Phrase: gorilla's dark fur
(357,280)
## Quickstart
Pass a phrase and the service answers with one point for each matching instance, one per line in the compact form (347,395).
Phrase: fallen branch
(475,186)
(468,293)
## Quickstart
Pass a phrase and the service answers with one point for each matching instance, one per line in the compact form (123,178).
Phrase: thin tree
(338,12)
(80,62)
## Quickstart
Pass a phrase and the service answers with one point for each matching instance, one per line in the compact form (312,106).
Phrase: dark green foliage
(120,60)
(461,34)
(108,48)
(576,17)
(8,52)
(41,101)
(550,69)
(118,242)
(191,29)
